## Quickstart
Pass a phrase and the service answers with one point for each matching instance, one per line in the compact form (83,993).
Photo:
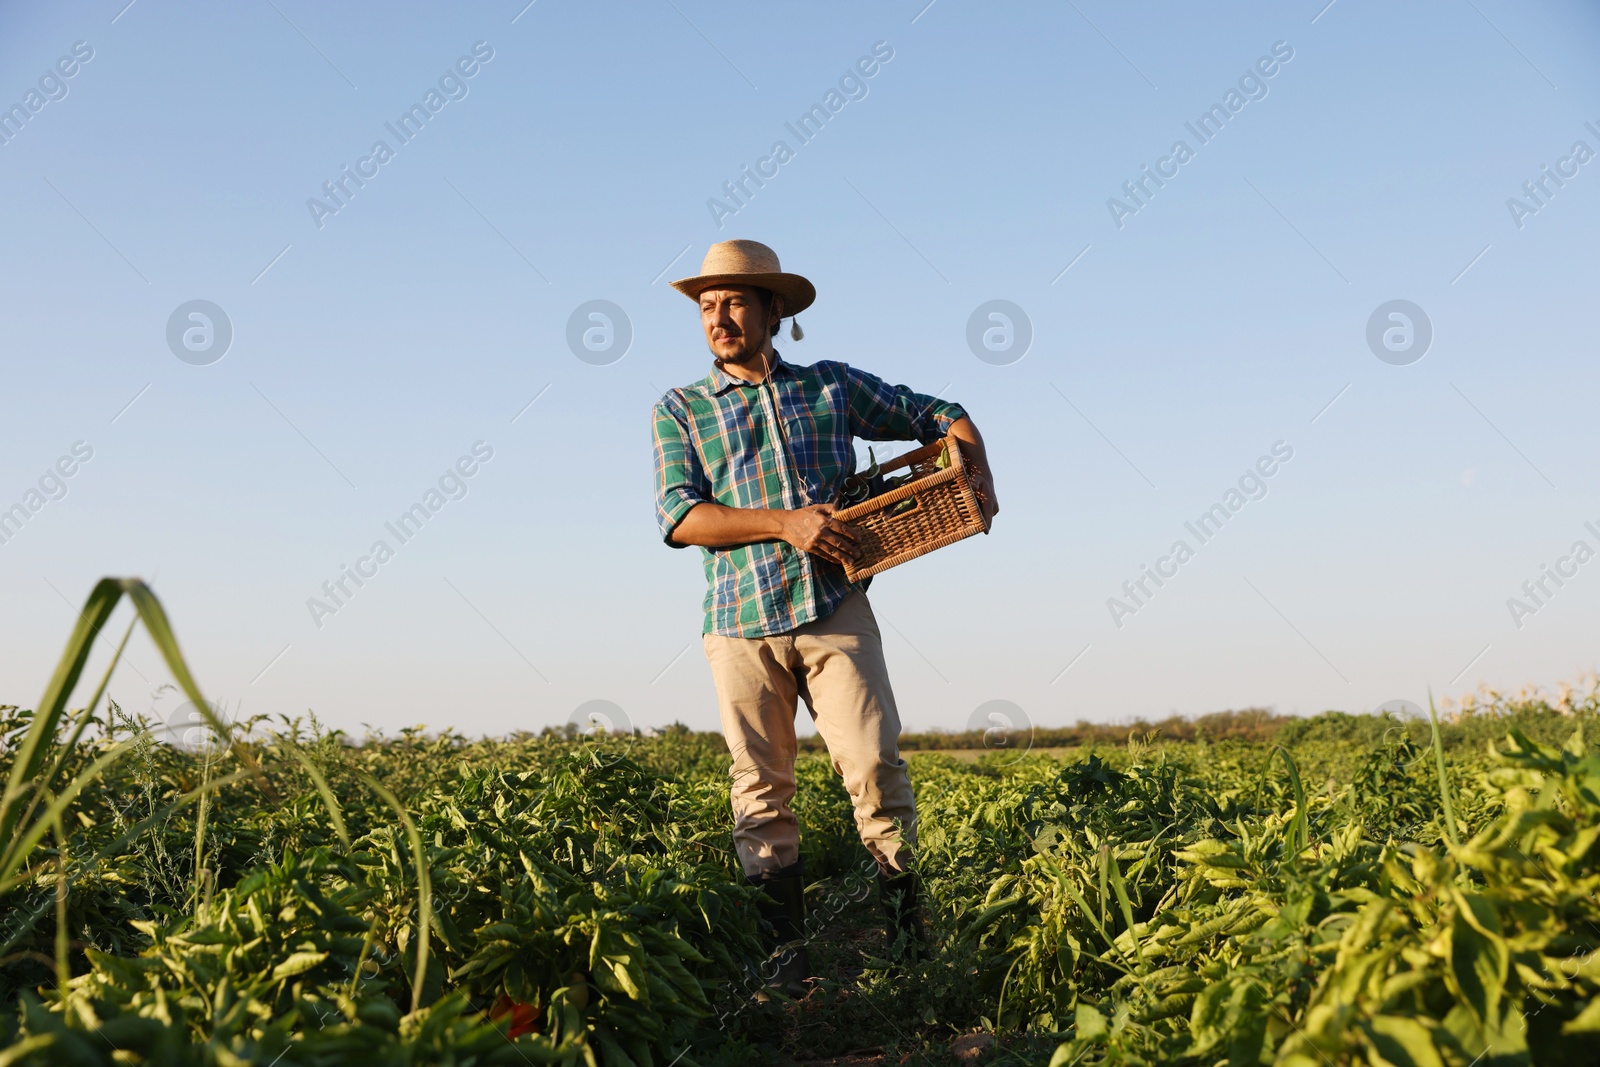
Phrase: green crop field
(1338,890)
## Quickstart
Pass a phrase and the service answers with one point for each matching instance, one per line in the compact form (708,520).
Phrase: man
(749,461)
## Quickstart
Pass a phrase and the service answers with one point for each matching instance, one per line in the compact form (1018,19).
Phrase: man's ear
(777,315)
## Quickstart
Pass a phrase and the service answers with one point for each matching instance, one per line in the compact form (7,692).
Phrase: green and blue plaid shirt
(715,442)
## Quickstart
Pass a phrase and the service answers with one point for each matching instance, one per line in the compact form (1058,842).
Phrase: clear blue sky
(370,352)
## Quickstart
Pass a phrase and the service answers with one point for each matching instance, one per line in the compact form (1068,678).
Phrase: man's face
(736,323)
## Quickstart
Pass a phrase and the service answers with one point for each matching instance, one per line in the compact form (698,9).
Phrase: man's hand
(983,486)
(978,467)
(815,530)
(812,529)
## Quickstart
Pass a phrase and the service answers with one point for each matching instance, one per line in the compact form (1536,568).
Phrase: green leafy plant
(1335,891)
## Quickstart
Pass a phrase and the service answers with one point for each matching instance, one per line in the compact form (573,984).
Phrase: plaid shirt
(714,441)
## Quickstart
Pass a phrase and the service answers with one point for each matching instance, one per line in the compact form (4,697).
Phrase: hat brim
(798,293)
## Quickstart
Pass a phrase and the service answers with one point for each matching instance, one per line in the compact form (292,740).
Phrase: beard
(747,350)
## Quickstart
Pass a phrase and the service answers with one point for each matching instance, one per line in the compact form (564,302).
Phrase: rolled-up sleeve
(680,479)
(883,412)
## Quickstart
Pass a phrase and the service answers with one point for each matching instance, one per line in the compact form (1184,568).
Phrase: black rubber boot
(901,896)
(787,969)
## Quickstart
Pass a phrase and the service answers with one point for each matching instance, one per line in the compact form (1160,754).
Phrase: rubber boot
(787,969)
(901,897)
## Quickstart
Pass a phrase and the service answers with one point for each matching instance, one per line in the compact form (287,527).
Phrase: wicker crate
(944,509)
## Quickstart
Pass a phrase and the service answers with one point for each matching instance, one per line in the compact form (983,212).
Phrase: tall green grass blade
(63,944)
(1083,906)
(1000,1008)
(47,782)
(1299,825)
(94,702)
(1088,913)
(20,831)
(202,887)
(154,617)
(1126,906)
(328,800)
(31,753)
(1450,826)
(1105,892)
(424,886)
(361,959)
(47,716)
(17,851)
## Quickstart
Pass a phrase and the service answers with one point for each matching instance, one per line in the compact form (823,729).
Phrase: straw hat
(748,263)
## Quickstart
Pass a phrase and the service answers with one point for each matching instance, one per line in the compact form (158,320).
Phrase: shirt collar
(722,381)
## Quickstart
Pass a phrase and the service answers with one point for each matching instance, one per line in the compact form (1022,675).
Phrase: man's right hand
(815,530)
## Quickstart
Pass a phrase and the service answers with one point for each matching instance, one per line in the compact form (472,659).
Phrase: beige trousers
(835,664)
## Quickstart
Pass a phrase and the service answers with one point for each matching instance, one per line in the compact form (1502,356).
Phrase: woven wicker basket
(944,510)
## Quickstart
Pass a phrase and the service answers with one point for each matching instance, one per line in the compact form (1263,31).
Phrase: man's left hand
(977,457)
(983,486)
